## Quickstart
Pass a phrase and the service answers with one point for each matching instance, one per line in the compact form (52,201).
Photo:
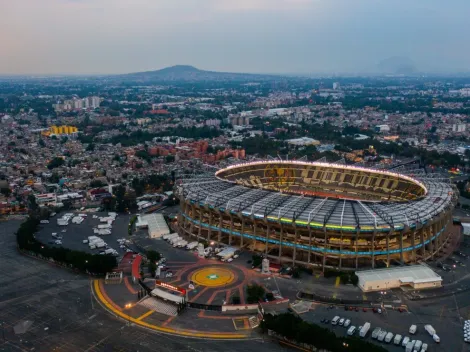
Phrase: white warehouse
(156,224)
(416,276)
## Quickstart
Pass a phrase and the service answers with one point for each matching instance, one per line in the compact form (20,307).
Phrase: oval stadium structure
(322,214)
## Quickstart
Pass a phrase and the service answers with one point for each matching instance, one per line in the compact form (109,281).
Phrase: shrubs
(131,224)
(254,293)
(294,328)
(256,260)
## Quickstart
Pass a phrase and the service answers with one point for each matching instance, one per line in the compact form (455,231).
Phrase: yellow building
(60,130)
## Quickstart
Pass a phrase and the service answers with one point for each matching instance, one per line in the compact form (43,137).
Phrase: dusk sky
(263,36)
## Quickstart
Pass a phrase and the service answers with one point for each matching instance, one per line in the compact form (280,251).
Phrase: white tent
(466,228)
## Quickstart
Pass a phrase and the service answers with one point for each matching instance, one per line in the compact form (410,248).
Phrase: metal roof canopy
(413,273)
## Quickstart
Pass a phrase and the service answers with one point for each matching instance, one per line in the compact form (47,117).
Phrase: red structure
(136,268)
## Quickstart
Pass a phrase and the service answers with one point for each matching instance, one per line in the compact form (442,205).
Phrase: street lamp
(128,306)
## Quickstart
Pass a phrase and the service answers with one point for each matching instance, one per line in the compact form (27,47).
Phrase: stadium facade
(321,214)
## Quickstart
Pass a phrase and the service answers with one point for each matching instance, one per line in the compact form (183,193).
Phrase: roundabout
(213,276)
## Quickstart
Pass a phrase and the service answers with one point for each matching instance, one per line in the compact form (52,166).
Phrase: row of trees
(86,262)
(294,328)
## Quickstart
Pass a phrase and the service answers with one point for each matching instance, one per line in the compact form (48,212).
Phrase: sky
(259,36)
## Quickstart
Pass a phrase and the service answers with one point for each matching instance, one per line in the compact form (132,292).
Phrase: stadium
(329,215)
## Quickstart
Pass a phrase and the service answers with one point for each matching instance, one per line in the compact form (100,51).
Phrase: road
(64,316)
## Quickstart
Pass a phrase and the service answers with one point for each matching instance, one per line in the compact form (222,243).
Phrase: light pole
(127,307)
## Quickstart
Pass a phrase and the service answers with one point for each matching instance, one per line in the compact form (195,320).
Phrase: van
(347,323)
(382,335)
(351,330)
(424,348)
(334,321)
(409,346)
(417,346)
(397,339)
(405,341)
(389,337)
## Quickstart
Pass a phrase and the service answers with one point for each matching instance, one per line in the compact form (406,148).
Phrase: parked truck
(365,329)
(413,329)
(409,346)
(431,331)
(171,236)
(417,346)
(175,239)
(376,333)
(382,335)
(191,245)
(182,244)
(397,339)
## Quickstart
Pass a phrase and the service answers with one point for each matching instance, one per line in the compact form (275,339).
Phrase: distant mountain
(397,65)
(191,74)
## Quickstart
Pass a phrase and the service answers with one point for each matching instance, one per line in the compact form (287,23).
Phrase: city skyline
(257,36)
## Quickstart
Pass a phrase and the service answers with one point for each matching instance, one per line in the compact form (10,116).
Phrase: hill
(191,74)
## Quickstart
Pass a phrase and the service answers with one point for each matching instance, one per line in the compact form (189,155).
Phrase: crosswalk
(159,306)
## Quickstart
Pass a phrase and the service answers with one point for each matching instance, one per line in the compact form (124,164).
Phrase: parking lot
(391,321)
(74,234)
(456,266)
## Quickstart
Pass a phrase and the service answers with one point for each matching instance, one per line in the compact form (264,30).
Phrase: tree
(169,159)
(119,193)
(254,293)
(96,183)
(5,191)
(55,162)
(256,260)
(41,143)
(90,147)
(153,256)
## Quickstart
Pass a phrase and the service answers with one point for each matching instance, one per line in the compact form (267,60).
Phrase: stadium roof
(318,212)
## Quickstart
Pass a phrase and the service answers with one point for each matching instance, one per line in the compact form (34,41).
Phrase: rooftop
(413,273)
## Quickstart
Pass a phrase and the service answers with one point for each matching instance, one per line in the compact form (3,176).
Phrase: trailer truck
(365,329)
(430,330)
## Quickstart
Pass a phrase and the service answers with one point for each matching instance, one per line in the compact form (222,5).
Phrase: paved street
(64,316)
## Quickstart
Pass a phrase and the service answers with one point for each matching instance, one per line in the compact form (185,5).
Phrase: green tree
(119,193)
(254,293)
(153,256)
(5,191)
(55,162)
(96,183)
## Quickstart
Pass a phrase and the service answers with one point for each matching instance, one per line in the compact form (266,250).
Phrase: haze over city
(261,36)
